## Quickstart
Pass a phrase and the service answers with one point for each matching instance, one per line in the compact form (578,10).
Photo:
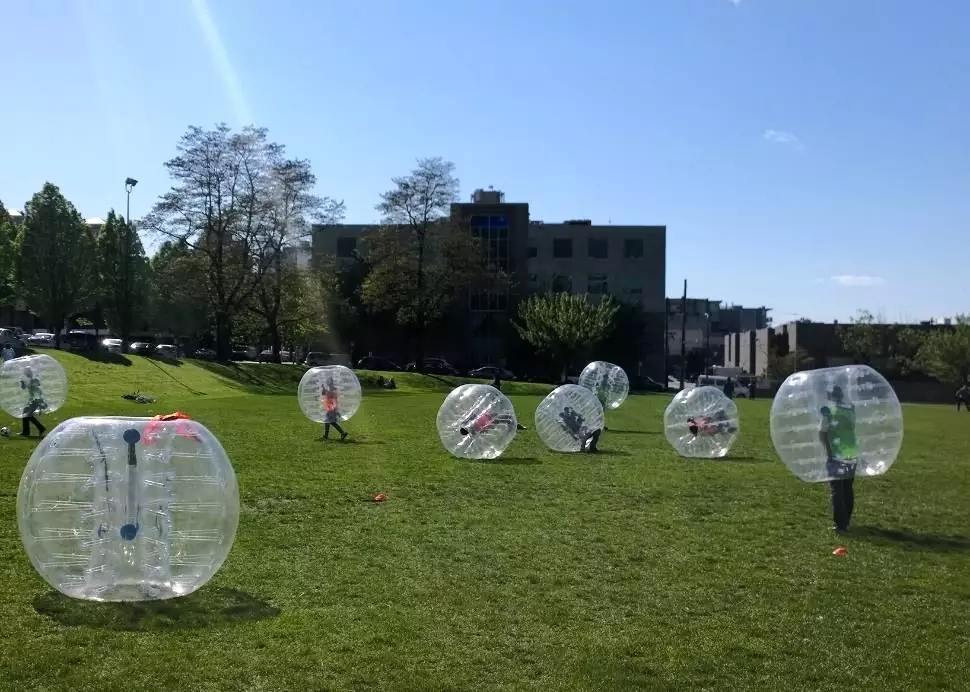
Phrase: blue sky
(811,155)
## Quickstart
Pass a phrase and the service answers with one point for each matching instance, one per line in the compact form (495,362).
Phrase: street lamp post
(707,340)
(129,186)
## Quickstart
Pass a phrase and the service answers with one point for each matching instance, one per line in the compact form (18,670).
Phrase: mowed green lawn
(632,569)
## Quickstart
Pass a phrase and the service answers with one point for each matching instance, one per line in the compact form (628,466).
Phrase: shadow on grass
(172,377)
(205,608)
(612,453)
(349,441)
(255,379)
(911,539)
(175,362)
(103,357)
(634,432)
(507,461)
(743,459)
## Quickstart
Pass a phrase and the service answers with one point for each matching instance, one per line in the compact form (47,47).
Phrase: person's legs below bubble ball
(591,440)
(843,499)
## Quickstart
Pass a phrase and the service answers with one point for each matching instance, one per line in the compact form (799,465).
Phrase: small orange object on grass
(840,551)
(379,497)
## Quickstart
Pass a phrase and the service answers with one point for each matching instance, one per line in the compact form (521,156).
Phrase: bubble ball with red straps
(128,509)
(329,394)
(476,421)
(701,423)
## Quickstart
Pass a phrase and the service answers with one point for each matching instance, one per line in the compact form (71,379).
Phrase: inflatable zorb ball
(32,385)
(607,381)
(856,408)
(476,421)
(568,417)
(128,509)
(329,394)
(701,423)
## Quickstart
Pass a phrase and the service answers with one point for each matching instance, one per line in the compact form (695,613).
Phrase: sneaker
(343,436)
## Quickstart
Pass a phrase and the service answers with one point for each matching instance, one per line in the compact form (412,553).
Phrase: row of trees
(898,351)
(236,207)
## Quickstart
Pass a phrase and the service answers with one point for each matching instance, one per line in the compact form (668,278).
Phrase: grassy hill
(630,570)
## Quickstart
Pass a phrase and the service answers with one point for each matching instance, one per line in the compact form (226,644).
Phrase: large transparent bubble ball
(859,400)
(701,423)
(32,385)
(329,394)
(476,421)
(128,509)
(608,381)
(567,417)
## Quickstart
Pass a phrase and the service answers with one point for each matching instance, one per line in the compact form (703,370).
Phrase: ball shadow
(912,540)
(611,453)
(634,432)
(508,461)
(742,459)
(348,441)
(205,608)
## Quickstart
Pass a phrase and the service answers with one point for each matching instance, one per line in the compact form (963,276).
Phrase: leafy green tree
(564,327)
(945,353)
(123,275)
(862,339)
(179,302)
(291,306)
(421,259)
(8,253)
(54,265)
(781,366)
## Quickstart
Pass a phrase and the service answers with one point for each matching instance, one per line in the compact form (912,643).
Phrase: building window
(598,248)
(597,285)
(346,246)
(633,289)
(562,284)
(562,248)
(533,252)
(633,248)
(533,279)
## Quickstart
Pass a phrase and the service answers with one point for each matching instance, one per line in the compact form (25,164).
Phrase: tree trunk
(276,339)
(223,336)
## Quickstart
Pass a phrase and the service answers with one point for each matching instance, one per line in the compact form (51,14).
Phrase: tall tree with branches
(123,275)
(55,260)
(237,201)
(8,253)
(421,259)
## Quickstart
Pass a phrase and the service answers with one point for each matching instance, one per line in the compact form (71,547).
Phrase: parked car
(434,366)
(42,339)
(377,363)
(740,391)
(111,345)
(139,347)
(487,372)
(168,351)
(8,336)
(266,356)
(204,354)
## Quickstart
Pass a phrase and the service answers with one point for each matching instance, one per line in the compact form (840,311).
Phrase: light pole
(707,339)
(129,186)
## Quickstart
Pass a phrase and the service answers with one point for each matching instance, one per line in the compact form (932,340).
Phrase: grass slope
(629,570)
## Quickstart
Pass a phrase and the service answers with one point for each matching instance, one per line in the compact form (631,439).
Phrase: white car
(111,345)
(740,391)
(166,351)
(40,339)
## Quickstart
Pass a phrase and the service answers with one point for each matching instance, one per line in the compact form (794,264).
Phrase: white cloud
(857,280)
(784,138)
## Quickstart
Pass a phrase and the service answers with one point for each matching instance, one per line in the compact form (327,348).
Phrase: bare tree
(238,202)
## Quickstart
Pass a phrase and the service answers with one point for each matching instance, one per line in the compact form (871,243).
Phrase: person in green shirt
(35,403)
(837,432)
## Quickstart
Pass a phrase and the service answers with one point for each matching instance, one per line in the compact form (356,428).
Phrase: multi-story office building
(628,262)
(706,324)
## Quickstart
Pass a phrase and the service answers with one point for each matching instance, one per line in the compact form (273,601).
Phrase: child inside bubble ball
(328,394)
(837,434)
(35,403)
(574,424)
(710,425)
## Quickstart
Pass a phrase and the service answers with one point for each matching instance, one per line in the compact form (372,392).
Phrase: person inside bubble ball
(35,403)
(574,424)
(328,394)
(497,383)
(710,425)
(837,433)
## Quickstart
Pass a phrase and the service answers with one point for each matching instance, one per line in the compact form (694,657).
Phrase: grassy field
(633,569)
